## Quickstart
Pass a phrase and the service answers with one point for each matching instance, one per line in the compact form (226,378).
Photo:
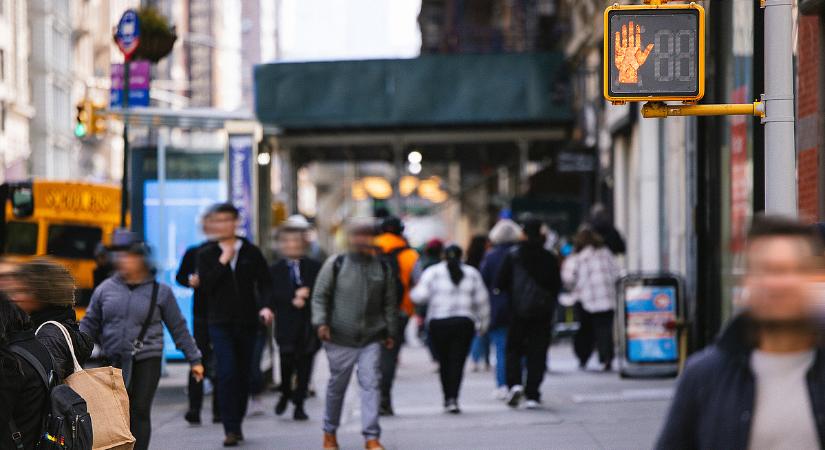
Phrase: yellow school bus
(64,220)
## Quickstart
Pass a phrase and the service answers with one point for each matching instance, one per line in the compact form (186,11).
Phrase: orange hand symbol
(628,54)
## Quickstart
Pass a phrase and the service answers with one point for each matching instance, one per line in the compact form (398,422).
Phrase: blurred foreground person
(401,260)
(761,385)
(45,291)
(235,282)
(126,317)
(590,276)
(531,278)
(503,237)
(293,277)
(23,395)
(355,308)
(188,276)
(458,310)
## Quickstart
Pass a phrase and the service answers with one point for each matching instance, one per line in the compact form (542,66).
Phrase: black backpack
(67,424)
(528,298)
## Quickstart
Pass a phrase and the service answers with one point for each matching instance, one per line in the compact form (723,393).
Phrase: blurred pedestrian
(293,277)
(188,276)
(590,276)
(761,384)
(45,291)
(504,235)
(531,277)
(355,309)
(401,259)
(601,222)
(103,265)
(430,256)
(458,311)
(126,317)
(480,350)
(235,282)
(23,395)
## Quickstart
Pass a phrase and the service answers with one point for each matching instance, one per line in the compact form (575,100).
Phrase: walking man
(293,277)
(187,276)
(401,259)
(235,282)
(355,309)
(761,385)
(531,277)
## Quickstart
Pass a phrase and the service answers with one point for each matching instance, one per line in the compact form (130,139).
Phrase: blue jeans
(480,349)
(232,345)
(498,338)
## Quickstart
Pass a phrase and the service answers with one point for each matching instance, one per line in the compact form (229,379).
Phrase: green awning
(429,91)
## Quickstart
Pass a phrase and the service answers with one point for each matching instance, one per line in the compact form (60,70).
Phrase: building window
(2,114)
(2,60)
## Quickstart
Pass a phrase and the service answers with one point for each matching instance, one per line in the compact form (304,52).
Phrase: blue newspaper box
(650,311)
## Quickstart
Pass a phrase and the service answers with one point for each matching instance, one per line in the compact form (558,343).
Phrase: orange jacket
(388,242)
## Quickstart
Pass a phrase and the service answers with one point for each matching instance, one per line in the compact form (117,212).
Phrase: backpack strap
(138,344)
(68,338)
(16,436)
(337,264)
(33,361)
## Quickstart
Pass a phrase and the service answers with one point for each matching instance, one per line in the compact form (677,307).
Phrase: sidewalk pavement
(582,410)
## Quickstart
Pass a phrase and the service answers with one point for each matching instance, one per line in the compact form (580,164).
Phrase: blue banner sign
(240,181)
(650,313)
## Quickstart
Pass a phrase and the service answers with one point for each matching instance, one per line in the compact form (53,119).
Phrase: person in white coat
(458,310)
(590,276)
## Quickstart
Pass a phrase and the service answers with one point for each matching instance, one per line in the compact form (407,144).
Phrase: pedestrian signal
(654,53)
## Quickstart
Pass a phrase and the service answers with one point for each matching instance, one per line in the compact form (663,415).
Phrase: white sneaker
(500,393)
(515,396)
(256,406)
(532,404)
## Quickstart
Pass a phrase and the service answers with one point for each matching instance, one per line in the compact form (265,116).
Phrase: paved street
(582,410)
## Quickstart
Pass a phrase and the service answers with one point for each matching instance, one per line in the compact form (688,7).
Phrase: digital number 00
(670,53)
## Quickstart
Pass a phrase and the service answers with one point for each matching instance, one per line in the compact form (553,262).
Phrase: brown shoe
(330,442)
(373,444)
(232,440)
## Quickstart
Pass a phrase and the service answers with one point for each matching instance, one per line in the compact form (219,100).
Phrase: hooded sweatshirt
(116,314)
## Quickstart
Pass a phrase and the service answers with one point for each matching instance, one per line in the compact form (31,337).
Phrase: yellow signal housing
(638,86)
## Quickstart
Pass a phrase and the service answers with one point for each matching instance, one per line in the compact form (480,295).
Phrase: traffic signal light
(97,120)
(81,126)
(90,120)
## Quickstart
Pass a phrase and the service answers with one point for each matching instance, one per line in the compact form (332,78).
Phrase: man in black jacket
(531,277)
(762,384)
(188,276)
(235,283)
(293,277)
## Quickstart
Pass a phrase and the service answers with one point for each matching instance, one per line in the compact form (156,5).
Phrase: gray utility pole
(780,145)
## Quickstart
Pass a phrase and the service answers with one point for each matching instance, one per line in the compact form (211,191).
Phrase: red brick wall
(808,95)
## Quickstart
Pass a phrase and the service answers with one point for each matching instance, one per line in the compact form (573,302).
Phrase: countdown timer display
(654,53)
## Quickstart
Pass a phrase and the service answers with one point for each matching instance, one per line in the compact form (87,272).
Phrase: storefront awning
(429,91)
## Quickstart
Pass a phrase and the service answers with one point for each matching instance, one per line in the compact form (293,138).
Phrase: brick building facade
(810,101)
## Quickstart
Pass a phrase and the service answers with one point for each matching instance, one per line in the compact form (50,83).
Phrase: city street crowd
(759,386)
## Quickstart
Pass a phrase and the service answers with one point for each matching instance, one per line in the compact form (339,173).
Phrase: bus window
(22,201)
(21,238)
(73,241)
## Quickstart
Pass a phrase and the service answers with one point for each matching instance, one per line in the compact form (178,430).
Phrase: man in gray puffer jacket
(355,308)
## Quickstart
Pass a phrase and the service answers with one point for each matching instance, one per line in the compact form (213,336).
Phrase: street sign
(139,78)
(127,35)
(654,53)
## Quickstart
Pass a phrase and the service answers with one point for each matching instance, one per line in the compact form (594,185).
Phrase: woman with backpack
(126,316)
(46,292)
(23,395)
(457,311)
(590,275)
